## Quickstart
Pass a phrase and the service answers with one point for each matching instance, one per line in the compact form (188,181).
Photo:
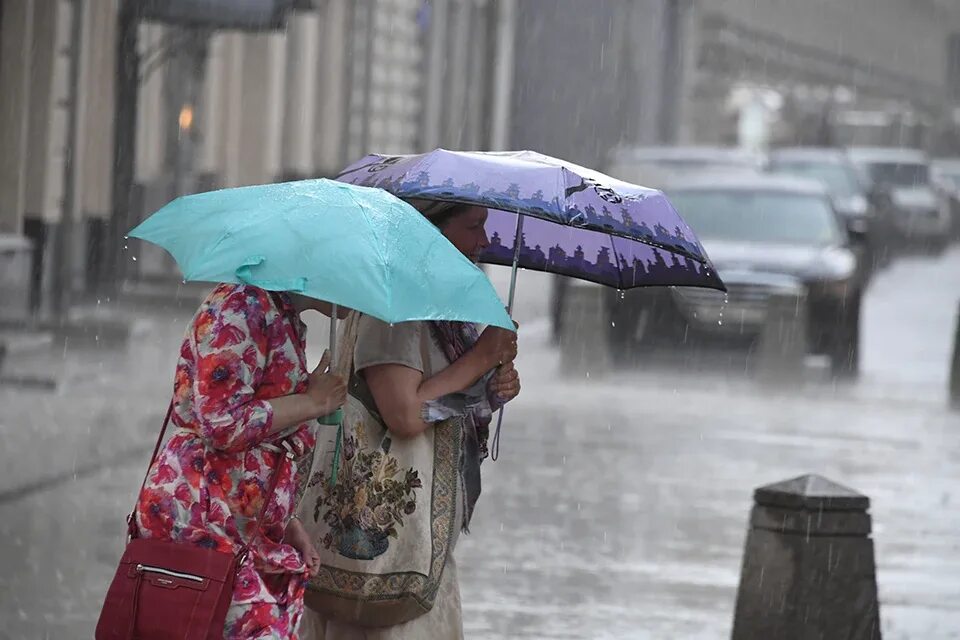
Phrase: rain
(682,462)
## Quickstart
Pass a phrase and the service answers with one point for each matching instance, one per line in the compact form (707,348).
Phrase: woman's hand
(297,537)
(497,346)
(326,390)
(506,383)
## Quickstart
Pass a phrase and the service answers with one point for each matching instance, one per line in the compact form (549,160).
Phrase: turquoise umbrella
(357,247)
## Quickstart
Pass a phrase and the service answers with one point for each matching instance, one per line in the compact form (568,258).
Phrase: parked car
(653,167)
(642,165)
(920,213)
(946,175)
(765,234)
(863,213)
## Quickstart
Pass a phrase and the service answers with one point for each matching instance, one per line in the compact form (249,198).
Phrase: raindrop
(134,258)
(613,324)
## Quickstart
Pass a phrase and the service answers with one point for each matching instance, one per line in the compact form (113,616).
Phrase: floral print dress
(208,483)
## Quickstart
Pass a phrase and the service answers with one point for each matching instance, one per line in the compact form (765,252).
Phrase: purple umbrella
(551,215)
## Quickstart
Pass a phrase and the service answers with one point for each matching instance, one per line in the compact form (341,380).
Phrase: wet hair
(439,213)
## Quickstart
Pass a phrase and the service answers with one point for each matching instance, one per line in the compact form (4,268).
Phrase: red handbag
(166,590)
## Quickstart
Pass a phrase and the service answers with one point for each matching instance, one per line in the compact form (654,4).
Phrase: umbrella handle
(332,418)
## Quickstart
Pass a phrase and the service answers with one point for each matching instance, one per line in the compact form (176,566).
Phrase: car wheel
(845,351)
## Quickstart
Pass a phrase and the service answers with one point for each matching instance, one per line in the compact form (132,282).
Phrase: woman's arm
(232,348)
(400,391)
(325,393)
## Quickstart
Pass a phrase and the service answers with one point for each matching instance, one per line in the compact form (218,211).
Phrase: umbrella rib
(616,261)
(378,244)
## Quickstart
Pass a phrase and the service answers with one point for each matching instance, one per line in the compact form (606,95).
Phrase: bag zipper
(142,568)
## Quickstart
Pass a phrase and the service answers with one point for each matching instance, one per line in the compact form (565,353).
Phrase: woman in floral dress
(243,398)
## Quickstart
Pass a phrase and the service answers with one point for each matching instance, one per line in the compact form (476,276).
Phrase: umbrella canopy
(351,246)
(578,222)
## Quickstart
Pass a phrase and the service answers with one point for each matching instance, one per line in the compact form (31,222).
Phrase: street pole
(504,54)
(670,72)
(65,263)
(124,146)
(954,384)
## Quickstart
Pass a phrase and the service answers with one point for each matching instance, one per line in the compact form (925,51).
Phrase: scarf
(476,404)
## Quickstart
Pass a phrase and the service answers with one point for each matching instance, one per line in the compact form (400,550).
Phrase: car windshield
(757,216)
(899,174)
(838,180)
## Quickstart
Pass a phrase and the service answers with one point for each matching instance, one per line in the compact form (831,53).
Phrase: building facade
(225,107)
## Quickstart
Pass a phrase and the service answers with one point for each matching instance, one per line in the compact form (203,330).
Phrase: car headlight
(857,205)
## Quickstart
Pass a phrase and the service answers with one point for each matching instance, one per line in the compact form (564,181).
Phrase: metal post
(670,70)
(186,73)
(333,335)
(433,93)
(517,243)
(63,287)
(369,52)
(124,151)
(505,38)
(955,368)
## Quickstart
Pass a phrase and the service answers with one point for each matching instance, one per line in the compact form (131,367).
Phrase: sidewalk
(107,401)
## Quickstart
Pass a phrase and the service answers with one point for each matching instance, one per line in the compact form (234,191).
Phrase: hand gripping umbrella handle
(332,418)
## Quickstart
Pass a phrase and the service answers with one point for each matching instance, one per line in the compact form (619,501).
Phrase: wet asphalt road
(618,507)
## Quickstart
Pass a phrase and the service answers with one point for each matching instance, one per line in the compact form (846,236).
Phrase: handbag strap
(132,518)
(133,532)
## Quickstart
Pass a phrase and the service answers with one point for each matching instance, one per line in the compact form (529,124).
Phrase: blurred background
(813,146)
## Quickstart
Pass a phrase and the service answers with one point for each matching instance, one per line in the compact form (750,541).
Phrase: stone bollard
(955,368)
(584,350)
(783,339)
(808,566)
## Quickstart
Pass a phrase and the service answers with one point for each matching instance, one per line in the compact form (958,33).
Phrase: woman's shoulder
(380,342)
(236,305)
(238,298)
